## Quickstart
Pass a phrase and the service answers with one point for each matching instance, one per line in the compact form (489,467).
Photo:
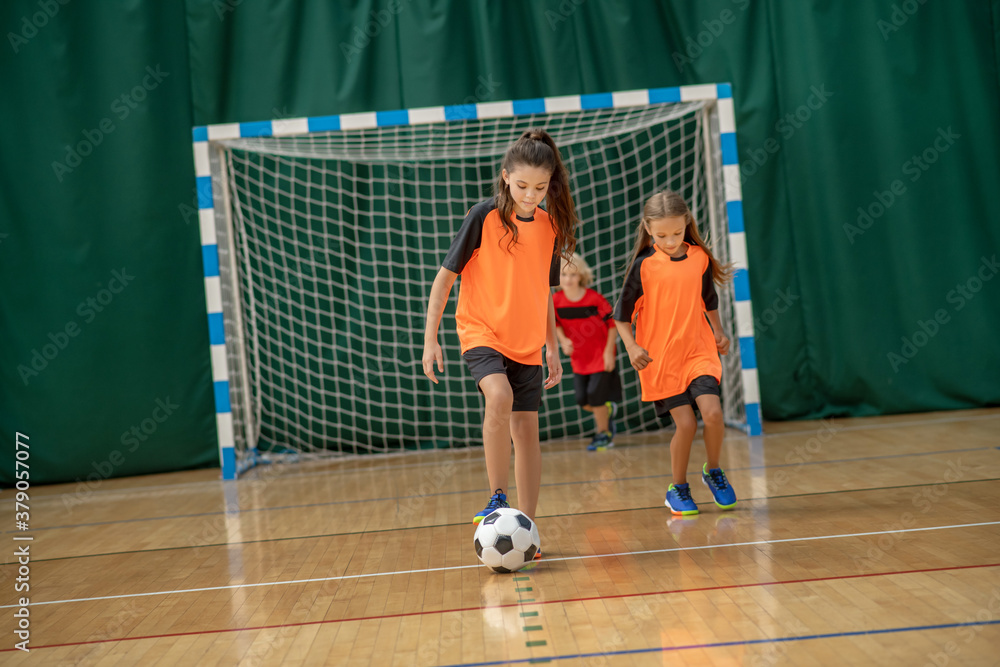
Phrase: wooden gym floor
(856,541)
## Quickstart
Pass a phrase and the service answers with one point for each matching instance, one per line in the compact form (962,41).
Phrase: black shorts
(525,381)
(598,388)
(701,385)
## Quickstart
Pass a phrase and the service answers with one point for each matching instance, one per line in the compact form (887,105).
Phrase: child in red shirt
(588,336)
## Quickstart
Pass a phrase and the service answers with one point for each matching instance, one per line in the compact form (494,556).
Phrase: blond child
(588,336)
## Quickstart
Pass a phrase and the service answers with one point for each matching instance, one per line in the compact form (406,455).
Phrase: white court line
(469,567)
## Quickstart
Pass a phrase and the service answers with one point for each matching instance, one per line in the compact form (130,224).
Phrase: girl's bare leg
(496,429)
(527,460)
(680,444)
(711,414)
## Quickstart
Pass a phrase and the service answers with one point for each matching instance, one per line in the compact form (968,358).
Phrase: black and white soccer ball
(506,540)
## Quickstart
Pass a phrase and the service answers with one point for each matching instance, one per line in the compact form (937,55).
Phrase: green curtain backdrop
(869,148)
(104,344)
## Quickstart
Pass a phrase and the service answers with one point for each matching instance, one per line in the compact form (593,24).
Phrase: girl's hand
(432,353)
(639,357)
(722,343)
(609,360)
(555,367)
(567,347)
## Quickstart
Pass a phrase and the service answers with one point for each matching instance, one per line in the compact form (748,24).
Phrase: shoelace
(719,478)
(498,500)
(683,492)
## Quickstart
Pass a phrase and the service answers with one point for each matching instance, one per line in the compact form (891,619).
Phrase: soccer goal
(321,237)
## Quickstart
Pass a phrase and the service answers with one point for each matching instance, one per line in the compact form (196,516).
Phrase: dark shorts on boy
(701,385)
(598,388)
(525,381)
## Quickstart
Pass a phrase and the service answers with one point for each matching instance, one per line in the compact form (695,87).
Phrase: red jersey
(585,323)
(503,299)
(667,298)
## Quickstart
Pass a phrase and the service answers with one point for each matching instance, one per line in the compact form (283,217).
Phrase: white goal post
(321,236)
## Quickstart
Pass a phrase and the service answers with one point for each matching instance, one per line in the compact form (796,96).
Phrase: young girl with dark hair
(508,253)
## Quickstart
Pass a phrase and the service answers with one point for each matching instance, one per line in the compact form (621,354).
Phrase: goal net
(329,241)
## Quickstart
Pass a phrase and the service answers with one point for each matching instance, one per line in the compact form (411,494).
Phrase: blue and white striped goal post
(720,92)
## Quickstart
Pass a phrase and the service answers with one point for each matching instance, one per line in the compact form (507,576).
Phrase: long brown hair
(669,204)
(535,148)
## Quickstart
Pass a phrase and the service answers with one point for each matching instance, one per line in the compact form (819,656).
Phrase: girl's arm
(611,349)
(552,349)
(721,341)
(638,356)
(435,309)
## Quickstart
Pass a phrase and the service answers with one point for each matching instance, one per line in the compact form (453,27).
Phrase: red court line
(518,604)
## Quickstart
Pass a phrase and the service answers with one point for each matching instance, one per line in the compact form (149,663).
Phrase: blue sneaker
(601,442)
(612,411)
(679,500)
(717,483)
(498,500)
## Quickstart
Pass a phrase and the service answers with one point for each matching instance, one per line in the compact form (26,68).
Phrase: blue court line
(746,642)
(238,511)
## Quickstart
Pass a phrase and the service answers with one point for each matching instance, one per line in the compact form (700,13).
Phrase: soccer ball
(506,540)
